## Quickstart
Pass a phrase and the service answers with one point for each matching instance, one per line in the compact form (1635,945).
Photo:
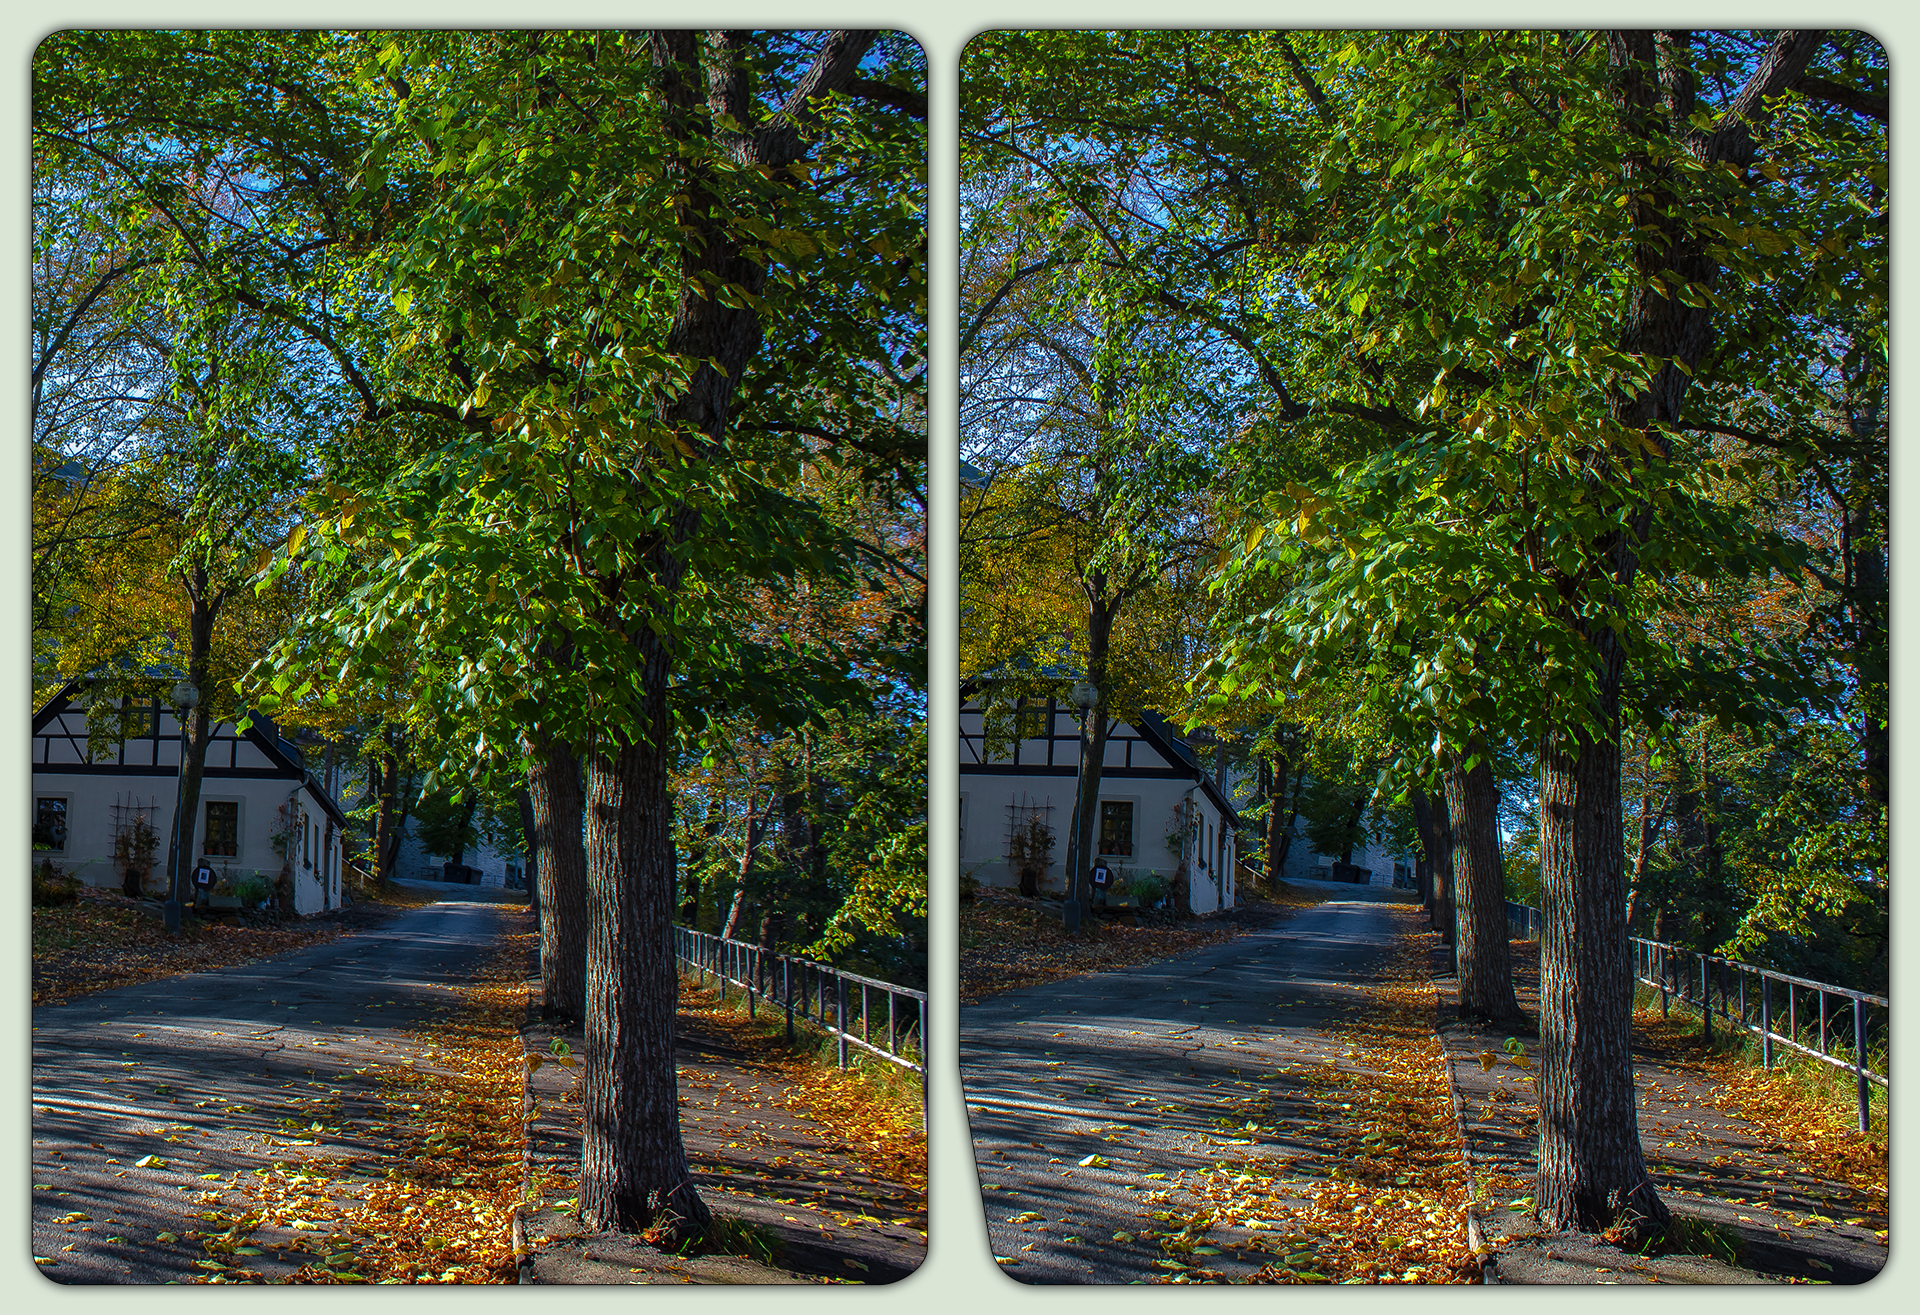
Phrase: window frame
(1133,828)
(66,815)
(201,845)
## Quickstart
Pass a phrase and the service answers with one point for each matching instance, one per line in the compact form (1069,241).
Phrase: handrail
(1667,968)
(819,992)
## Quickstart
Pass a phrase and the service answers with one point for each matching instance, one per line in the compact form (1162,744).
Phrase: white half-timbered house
(1161,815)
(98,806)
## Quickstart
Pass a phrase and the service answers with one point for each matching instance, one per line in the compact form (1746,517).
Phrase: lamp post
(185,698)
(1085,697)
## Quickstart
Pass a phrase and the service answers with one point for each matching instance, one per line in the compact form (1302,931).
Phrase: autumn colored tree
(596,492)
(1513,280)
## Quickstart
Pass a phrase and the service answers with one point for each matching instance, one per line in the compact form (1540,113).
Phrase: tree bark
(633,1165)
(1353,829)
(1643,838)
(1591,1172)
(1430,819)
(201,616)
(1485,971)
(559,862)
(634,1174)
(1093,744)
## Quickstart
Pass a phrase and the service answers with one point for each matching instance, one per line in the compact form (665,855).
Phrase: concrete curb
(522,1253)
(1476,1232)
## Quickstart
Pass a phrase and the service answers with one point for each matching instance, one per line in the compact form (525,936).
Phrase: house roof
(1165,740)
(288,761)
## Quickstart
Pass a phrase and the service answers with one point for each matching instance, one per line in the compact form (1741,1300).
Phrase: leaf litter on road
(441,1211)
(1391,1205)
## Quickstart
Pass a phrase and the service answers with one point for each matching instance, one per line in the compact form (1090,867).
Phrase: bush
(52,887)
(250,890)
(1146,889)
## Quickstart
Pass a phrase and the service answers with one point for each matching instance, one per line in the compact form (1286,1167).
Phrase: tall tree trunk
(730,929)
(459,854)
(560,868)
(1643,837)
(1485,970)
(1591,1172)
(633,1165)
(1277,857)
(201,616)
(771,925)
(1430,819)
(1353,829)
(1093,746)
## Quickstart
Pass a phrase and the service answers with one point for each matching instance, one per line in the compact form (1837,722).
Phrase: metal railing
(1718,987)
(844,1005)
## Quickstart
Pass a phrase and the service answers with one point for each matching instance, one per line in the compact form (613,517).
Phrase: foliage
(444,823)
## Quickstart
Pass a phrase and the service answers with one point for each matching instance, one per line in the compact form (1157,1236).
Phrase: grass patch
(1801,1103)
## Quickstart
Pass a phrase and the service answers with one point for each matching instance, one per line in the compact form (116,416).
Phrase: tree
(1469,306)
(1617,512)
(752,257)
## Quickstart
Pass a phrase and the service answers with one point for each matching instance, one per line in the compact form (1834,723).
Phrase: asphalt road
(219,1073)
(1156,1069)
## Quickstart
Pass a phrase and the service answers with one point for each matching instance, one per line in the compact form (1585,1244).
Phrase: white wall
(984,824)
(90,832)
(415,863)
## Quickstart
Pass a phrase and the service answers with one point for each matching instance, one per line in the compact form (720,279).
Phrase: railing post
(786,990)
(893,1046)
(1706,1005)
(753,977)
(1663,981)
(1859,1055)
(840,1015)
(926,1069)
(866,1022)
(1823,1022)
(1743,1000)
(1766,1025)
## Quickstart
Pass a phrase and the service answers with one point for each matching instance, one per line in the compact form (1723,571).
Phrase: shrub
(52,887)
(252,889)
(1146,889)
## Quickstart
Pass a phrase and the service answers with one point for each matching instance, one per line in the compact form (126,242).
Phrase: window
(1030,720)
(50,823)
(223,829)
(1116,828)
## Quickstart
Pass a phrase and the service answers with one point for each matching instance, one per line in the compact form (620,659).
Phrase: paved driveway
(1156,1070)
(219,1073)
